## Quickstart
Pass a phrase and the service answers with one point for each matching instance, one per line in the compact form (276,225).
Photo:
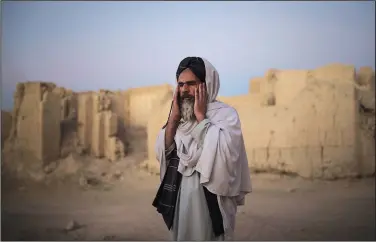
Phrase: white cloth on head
(220,158)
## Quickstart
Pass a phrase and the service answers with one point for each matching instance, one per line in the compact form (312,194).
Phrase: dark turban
(195,64)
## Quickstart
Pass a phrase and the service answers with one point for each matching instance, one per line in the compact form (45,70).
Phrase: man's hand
(175,110)
(200,102)
(173,120)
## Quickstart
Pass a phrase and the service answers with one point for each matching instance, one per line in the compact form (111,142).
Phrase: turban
(195,64)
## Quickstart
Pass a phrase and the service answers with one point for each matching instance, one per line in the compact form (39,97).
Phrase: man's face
(188,82)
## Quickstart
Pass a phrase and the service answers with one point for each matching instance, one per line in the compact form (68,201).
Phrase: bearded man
(203,163)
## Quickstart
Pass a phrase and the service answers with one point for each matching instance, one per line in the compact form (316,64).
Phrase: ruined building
(314,123)
(52,122)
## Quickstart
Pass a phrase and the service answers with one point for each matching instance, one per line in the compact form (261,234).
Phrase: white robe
(212,154)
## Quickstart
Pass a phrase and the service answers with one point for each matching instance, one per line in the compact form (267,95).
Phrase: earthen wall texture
(50,116)
(141,103)
(36,122)
(85,118)
(305,122)
(6,125)
(29,133)
(312,130)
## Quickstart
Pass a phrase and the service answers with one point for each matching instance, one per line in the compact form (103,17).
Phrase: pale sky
(119,45)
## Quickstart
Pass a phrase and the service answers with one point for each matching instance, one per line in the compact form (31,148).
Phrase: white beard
(187,110)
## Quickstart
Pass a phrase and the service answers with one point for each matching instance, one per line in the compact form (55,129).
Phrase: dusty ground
(280,208)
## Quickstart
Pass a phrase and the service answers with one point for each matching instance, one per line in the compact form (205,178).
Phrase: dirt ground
(280,208)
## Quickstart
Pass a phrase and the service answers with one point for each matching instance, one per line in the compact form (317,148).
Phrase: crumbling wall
(50,121)
(69,122)
(85,104)
(366,128)
(101,123)
(253,100)
(156,122)
(312,131)
(26,127)
(36,122)
(261,91)
(255,85)
(102,105)
(288,85)
(141,102)
(316,123)
(302,122)
(6,125)
(120,108)
(105,140)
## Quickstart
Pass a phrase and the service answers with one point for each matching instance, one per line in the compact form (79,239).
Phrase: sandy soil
(280,208)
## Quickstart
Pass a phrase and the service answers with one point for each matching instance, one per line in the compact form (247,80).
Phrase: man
(203,163)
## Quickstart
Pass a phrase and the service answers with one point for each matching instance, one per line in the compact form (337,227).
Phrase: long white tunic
(192,219)
(212,154)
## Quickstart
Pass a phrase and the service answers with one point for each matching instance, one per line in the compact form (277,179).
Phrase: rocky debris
(109,238)
(118,175)
(116,149)
(72,225)
(103,180)
(80,149)
(37,176)
(93,181)
(50,167)
(292,190)
(150,166)
(87,172)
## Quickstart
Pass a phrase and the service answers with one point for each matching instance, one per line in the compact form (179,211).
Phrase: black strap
(215,212)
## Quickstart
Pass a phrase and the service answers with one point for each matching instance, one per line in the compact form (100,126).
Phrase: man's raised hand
(200,102)
(175,111)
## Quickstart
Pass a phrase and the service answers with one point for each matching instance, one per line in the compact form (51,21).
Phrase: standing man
(203,163)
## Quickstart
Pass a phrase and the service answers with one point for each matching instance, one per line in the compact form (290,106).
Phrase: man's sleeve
(170,149)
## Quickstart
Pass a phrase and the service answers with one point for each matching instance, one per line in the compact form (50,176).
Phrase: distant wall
(6,125)
(132,108)
(50,126)
(141,103)
(156,122)
(316,123)
(29,119)
(36,122)
(366,130)
(311,130)
(254,100)
(85,117)
(255,85)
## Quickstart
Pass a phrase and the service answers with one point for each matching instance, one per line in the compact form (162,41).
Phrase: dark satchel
(165,200)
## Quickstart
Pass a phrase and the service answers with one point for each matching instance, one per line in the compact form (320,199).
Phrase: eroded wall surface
(106,119)
(85,119)
(142,101)
(156,122)
(50,125)
(304,122)
(315,123)
(36,122)
(6,125)
(27,124)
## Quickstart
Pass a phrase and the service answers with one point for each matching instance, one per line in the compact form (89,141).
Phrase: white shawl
(221,159)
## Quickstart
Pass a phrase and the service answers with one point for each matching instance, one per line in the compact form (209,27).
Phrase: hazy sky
(118,45)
